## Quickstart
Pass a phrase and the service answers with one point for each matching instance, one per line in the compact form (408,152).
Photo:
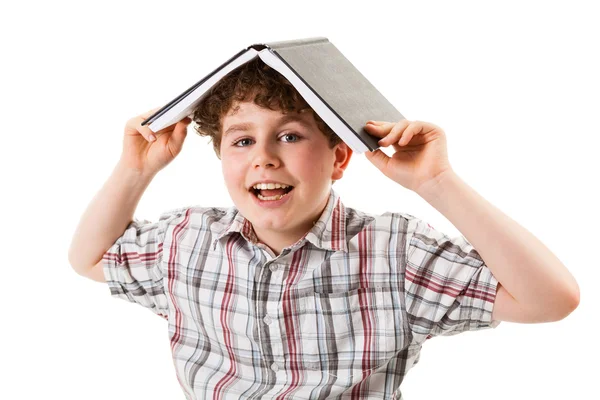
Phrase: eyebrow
(245,126)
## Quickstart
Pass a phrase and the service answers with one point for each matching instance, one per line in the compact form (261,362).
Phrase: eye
(242,142)
(291,137)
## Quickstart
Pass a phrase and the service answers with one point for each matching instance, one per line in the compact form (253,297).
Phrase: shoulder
(386,228)
(410,225)
(385,222)
(397,232)
(198,217)
(197,212)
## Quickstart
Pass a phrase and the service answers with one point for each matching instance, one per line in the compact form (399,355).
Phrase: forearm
(107,216)
(522,264)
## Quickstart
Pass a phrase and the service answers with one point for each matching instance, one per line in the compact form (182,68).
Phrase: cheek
(313,164)
(232,172)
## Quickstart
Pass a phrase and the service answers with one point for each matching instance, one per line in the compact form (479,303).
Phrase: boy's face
(259,145)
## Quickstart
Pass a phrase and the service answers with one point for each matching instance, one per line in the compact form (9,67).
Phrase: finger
(378,158)
(377,122)
(379,130)
(178,136)
(415,128)
(406,137)
(148,133)
(396,132)
(134,127)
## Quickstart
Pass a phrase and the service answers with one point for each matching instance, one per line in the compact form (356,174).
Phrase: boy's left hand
(420,155)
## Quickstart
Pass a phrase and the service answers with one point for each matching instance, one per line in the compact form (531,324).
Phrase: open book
(343,98)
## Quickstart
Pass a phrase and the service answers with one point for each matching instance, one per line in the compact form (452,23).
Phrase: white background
(514,85)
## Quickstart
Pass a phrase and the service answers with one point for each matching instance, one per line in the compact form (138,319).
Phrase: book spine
(324,111)
(294,43)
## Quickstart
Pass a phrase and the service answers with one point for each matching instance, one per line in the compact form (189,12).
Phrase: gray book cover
(338,83)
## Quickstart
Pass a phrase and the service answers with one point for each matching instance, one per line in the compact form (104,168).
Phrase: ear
(342,154)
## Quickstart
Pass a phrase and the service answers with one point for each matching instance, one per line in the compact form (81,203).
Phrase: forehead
(246,116)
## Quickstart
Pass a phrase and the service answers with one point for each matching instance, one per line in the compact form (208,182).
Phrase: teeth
(279,196)
(260,186)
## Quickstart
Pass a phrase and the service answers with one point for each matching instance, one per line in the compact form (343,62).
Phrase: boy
(289,294)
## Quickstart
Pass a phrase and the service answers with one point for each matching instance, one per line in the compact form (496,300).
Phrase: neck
(277,240)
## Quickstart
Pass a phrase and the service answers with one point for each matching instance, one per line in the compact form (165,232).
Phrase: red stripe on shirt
(363,298)
(172,276)
(335,224)
(485,295)
(227,336)
(133,256)
(446,287)
(289,316)
(443,286)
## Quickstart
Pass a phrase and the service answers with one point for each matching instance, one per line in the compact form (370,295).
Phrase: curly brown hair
(252,81)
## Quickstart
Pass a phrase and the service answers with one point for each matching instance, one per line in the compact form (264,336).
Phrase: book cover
(329,83)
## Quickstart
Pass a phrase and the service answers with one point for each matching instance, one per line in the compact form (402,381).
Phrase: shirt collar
(237,224)
(328,232)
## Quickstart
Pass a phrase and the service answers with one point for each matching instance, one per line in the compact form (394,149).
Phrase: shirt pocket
(348,334)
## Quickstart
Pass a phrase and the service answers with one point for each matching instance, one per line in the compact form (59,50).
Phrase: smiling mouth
(271,194)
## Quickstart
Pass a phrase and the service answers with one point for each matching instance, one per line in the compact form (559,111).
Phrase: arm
(106,218)
(534,285)
(145,153)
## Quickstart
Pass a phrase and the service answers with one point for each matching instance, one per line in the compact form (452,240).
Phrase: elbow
(573,302)
(573,298)
(77,266)
(568,305)
(558,308)
(568,299)
(73,263)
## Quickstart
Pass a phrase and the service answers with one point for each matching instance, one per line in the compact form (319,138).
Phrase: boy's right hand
(147,156)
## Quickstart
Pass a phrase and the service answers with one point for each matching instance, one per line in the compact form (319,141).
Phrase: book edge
(337,123)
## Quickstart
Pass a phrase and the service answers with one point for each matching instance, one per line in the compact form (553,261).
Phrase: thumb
(178,136)
(378,158)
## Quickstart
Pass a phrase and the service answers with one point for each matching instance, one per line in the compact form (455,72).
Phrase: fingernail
(152,138)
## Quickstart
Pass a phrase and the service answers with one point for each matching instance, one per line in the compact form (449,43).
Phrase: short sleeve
(133,265)
(448,287)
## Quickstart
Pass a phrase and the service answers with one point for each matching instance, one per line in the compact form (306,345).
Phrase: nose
(265,156)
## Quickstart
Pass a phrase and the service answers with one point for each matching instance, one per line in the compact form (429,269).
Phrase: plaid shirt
(342,313)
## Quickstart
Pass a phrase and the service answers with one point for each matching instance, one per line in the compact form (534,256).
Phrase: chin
(271,223)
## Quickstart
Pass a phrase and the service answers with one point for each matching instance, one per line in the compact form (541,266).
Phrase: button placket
(258,305)
(271,313)
(276,343)
(275,367)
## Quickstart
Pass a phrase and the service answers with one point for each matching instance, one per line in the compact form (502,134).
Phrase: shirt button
(273,267)
(268,320)
(275,367)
